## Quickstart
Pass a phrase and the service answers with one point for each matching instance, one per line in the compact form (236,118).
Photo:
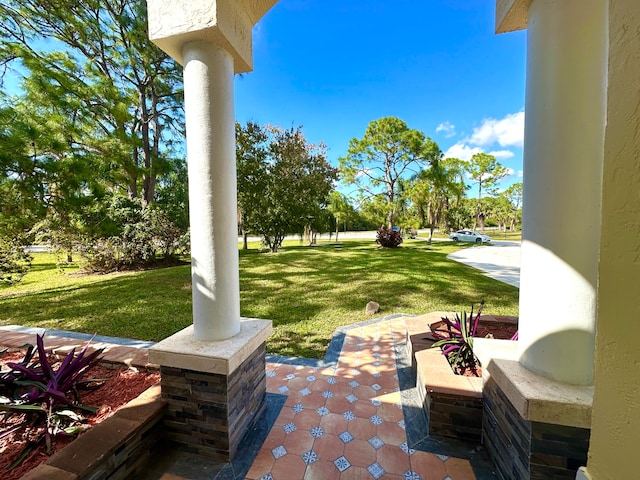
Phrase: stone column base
(534,427)
(215,390)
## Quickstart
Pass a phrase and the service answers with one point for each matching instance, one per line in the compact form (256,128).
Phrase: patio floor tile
(298,442)
(393,459)
(288,467)
(360,453)
(349,421)
(334,423)
(307,419)
(391,433)
(428,466)
(322,470)
(458,468)
(262,465)
(329,447)
(362,428)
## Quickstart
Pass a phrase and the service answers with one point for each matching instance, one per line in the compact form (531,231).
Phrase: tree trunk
(149,146)
(132,189)
(245,243)
(390,200)
(477,219)
(132,172)
(447,226)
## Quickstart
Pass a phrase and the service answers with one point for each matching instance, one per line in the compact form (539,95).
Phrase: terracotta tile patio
(347,422)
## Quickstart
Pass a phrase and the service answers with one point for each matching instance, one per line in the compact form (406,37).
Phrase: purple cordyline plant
(456,339)
(52,386)
(46,395)
(7,378)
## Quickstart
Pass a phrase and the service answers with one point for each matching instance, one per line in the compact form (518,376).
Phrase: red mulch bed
(499,330)
(122,385)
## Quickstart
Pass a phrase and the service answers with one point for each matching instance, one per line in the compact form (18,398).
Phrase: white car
(469,236)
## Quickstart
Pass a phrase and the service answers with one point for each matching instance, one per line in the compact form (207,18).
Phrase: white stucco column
(210,125)
(567,47)
(212,40)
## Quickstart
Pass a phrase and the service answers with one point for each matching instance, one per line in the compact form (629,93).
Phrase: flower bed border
(453,403)
(120,446)
(117,448)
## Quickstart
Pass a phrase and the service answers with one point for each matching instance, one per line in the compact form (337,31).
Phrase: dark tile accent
(524,450)
(209,413)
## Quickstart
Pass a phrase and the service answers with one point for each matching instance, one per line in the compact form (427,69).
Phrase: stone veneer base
(215,390)
(533,427)
(452,403)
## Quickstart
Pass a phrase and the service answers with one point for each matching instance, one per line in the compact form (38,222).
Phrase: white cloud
(485,176)
(462,151)
(507,132)
(448,128)
(502,154)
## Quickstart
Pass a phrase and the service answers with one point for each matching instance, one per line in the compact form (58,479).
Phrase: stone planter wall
(452,403)
(118,448)
(533,428)
(455,416)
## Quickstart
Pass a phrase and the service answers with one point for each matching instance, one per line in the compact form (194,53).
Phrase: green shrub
(14,261)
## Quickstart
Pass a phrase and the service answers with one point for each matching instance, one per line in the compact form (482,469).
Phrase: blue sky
(332,66)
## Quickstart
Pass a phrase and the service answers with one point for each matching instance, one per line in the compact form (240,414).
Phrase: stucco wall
(616,409)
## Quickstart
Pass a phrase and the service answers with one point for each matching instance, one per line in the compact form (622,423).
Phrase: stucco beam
(512,15)
(256,8)
(227,23)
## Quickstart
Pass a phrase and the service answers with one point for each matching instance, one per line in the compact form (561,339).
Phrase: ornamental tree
(284,182)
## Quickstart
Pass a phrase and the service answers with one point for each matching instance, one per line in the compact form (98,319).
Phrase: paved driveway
(501,260)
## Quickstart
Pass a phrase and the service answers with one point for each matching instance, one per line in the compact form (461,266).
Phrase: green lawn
(307,292)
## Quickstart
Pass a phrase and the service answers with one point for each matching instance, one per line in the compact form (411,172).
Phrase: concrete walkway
(500,261)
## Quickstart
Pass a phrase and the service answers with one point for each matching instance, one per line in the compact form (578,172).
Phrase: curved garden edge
(119,447)
(453,403)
